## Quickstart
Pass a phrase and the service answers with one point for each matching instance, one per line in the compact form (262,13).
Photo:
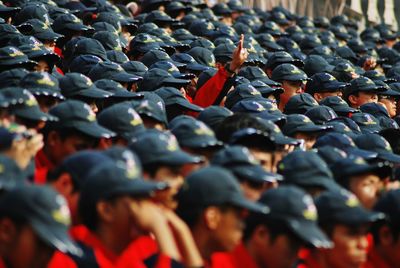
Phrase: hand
(369,64)
(146,214)
(239,56)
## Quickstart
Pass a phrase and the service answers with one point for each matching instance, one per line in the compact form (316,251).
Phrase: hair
(152,168)
(55,174)
(276,227)
(393,227)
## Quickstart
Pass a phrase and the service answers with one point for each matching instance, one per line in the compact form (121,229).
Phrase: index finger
(240,45)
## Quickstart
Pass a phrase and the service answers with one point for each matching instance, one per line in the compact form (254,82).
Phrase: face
(350,249)
(50,45)
(362,98)
(42,66)
(291,88)
(266,159)
(228,231)
(390,104)
(46,103)
(253,191)
(25,248)
(309,139)
(322,95)
(172,175)
(366,187)
(280,252)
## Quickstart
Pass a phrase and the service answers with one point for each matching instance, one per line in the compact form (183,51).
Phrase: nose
(363,242)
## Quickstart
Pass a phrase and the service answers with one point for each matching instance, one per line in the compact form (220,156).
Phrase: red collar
(241,257)
(42,161)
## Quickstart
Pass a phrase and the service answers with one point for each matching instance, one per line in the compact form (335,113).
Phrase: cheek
(229,232)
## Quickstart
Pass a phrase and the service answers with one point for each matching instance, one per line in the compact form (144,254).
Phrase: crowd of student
(172,134)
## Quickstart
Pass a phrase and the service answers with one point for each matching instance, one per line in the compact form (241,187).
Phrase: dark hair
(276,227)
(152,168)
(393,227)
(192,215)
(55,174)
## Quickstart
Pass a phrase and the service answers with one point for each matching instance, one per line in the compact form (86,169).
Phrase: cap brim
(269,82)
(178,158)
(56,237)
(189,106)
(358,216)
(93,129)
(285,140)
(126,77)
(47,93)
(314,128)
(139,187)
(362,153)
(34,114)
(255,173)
(391,157)
(241,202)
(196,67)
(201,142)
(171,81)
(126,94)
(48,35)
(94,93)
(310,233)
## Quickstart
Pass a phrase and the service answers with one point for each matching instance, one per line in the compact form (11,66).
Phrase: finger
(240,46)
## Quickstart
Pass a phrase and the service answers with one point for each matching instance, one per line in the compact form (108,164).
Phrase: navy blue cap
(274,131)
(78,115)
(156,78)
(144,43)
(202,56)
(24,105)
(261,108)
(33,11)
(113,71)
(242,92)
(287,71)
(116,90)
(90,46)
(341,128)
(300,103)
(11,176)
(213,186)
(338,105)
(135,67)
(42,84)
(331,154)
(165,149)
(296,123)
(316,64)
(345,143)
(11,78)
(151,109)
(45,210)
(378,144)
(267,41)
(83,64)
(122,119)
(172,69)
(12,56)
(195,134)
(39,29)
(306,169)
(191,63)
(173,96)
(281,57)
(362,84)
(154,56)
(321,114)
(214,115)
(68,22)
(242,134)
(255,73)
(367,122)
(266,90)
(74,85)
(389,203)
(202,28)
(343,207)
(295,208)
(349,123)
(323,82)
(240,161)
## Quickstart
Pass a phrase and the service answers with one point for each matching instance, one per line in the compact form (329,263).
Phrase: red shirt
(240,257)
(208,93)
(307,260)
(61,260)
(42,167)
(375,261)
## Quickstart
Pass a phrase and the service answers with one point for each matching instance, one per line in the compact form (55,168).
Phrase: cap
(260,108)
(362,84)
(338,105)
(243,165)
(116,90)
(345,143)
(113,71)
(42,84)
(122,119)
(300,104)
(377,144)
(317,64)
(154,56)
(11,78)
(165,149)
(11,176)
(306,169)
(330,154)
(343,207)
(202,56)
(214,115)
(45,210)
(281,57)
(68,22)
(287,71)
(321,114)
(191,63)
(78,115)
(213,186)
(242,92)
(151,109)
(12,56)
(39,29)
(156,78)
(295,208)
(323,82)
(254,73)
(194,134)
(388,204)
(83,64)
(135,67)
(367,122)
(173,96)
(90,46)
(74,85)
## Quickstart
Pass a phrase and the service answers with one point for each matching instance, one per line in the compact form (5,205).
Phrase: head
(390,103)
(359,98)
(291,88)
(309,138)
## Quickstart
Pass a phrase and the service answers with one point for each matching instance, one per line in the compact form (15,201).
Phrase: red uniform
(238,258)
(208,93)
(42,167)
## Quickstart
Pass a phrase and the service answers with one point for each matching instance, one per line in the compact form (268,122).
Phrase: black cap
(306,169)
(152,109)
(83,64)
(321,114)
(45,210)
(165,149)
(240,161)
(113,71)
(135,67)
(224,52)
(202,28)
(68,22)
(202,56)
(78,115)
(214,115)
(39,29)
(116,90)
(260,108)
(338,105)
(42,84)
(367,122)
(194,134)
(377,144)
(154,56)
(122,119)
(300,104)
(33,11)
(173,96)
(12,56)
(330,154)
(12,78)
(90,46)
(343,207)
(156,78)
(74,85)
(242,92)
(213,186)
(191,63)
(295,208)
(287,71)
(255,73)
(363,84)
(345,143)
(281,57)
(323,82)
(389,203)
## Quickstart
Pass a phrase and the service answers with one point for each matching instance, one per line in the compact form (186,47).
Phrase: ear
(64,184)
(260,235)
(212,217)
(8,231)
(53,139)
(353,99)
(385,236)
(105,211)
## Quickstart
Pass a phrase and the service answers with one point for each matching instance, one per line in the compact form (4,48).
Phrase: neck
(252,249)
(320,258)
(202,241)
(385,256)
(106,235)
